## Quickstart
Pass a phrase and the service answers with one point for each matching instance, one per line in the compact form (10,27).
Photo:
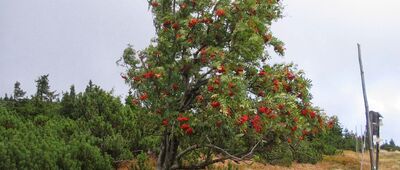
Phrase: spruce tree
(43,92)
(89,87)
(391,142)
(68,102)
(18,92)
(5,97)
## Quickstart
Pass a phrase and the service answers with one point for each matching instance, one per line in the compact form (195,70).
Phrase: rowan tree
(206,87)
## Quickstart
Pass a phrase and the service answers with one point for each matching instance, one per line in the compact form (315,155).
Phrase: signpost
(376,123)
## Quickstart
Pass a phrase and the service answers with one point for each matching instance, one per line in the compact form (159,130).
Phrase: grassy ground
(348,160)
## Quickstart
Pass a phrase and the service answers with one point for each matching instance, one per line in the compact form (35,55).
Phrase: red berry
(189,131)
(262,109)
(175,86)
(148,75)
(144,96)
(301,137)
(175,26)
(239,70)
(220,12)
(276,82)
(287,88)
(134,101)
(217,81)
(290,75)
(304,132)
(218,123)
(256,123)
(221,69)
(165,122)
(215,104)
(273,116)
(203,59)
(183,5)
(294,128)
(210,88)
(212,55)
(276,88)
(207,20)
(199,98)
(281,106)
(185,126)
(229,111)
(137,78)
(267,38)
(243,119)
(304,112)
(312,114)
(262,73)
(167,23)
(193,22)
(154,4)
(182,118)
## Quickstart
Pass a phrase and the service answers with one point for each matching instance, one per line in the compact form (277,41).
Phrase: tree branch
(237,157)
(178,157)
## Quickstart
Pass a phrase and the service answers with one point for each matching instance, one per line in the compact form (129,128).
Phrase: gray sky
(78,40)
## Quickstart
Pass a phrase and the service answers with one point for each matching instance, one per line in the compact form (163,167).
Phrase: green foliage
(278,154)
(88,130)
(391,146)
(349,141)
(142,162)
(322,147)
(305,153)
(40,144)
(205,81)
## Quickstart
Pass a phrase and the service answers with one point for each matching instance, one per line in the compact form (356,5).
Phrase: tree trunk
(168,151)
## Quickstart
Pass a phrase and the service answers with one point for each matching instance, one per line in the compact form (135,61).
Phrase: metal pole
(369,132)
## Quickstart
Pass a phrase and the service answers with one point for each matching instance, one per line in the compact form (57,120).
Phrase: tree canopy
(207,87)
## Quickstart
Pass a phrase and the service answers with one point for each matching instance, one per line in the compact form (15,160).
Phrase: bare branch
(197,52)
(236,158)
(187,150)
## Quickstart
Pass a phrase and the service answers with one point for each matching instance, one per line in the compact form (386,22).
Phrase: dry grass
(390,160)
(348,160)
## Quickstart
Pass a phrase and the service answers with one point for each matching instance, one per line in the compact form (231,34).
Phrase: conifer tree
(68,102)
(43,92)
(18,92)
(6,97)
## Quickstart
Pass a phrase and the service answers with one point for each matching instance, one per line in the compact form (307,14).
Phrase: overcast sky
(78,40)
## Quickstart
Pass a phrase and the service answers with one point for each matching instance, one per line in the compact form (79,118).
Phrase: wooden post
(377,143)
(367,115)
(362,146)
(356,138)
